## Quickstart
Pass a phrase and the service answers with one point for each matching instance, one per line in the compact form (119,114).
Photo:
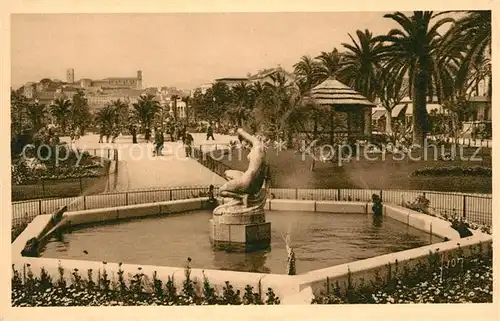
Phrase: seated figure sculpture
(246,188)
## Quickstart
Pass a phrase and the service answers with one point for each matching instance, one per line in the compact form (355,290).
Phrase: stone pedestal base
(244,233)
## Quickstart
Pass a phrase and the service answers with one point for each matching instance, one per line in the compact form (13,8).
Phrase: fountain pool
(319,240)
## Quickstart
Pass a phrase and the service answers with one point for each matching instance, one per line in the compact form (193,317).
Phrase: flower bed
(453,171)
(422,204)
(464,280)
(82,291)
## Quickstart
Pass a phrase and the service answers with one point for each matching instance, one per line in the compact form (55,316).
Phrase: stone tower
(139,79)
(70,75)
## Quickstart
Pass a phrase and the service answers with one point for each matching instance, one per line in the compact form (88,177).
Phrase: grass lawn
(290,170)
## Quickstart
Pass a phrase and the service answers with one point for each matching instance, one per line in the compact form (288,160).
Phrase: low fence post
(170,195)
(381,199)
(43,187)
(338,194)
(108,153)
(39,207)
(296,193)
(126,198)
(84,202)
(464,211)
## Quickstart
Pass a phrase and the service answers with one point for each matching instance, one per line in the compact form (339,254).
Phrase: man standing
(210,132)
(188,142)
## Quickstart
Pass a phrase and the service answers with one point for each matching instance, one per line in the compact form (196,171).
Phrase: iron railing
(205,159)
(474,208)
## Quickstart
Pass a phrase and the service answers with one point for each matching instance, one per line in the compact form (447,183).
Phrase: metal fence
(26,211)
(475,208)
(205,159)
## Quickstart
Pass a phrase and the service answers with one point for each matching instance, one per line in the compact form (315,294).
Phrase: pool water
(319,240)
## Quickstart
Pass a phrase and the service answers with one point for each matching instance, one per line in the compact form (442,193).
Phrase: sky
(175,49)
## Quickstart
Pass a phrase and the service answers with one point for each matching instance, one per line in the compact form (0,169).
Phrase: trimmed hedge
(453,171)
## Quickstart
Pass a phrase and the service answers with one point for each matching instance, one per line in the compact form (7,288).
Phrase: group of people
(183,134)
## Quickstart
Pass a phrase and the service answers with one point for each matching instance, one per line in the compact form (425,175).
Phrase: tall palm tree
(329,65)
(144,111)
(361,63)
(413,47)
(37,115)
(471,34)
(306,71)
(61,111)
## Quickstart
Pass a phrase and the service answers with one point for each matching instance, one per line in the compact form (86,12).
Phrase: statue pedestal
(239,232)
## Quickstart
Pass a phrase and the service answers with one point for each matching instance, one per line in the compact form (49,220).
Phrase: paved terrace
(139,169)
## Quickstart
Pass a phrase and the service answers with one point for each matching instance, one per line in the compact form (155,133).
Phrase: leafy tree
(390,89)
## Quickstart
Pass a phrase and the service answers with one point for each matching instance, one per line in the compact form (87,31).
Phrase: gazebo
(352,108)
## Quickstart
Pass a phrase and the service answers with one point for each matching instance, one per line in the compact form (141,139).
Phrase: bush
(468,281)
(43,291)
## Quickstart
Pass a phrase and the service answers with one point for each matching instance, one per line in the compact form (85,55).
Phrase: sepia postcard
(270,160)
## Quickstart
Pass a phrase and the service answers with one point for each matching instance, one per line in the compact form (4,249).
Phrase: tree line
(415,59)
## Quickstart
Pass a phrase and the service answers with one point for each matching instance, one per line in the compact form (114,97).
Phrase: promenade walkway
(138,168)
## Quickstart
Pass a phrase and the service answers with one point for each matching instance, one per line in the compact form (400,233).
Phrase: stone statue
(240,224)
(247,189)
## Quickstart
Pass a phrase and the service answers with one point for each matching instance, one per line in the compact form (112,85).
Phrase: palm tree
(241,102)
(120,117)
(37,115)
(105,119)
(329,65)
(361,62)
(281,97)
(415,48)
(61,111)
(471,35)
(144,111)
(306,71)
